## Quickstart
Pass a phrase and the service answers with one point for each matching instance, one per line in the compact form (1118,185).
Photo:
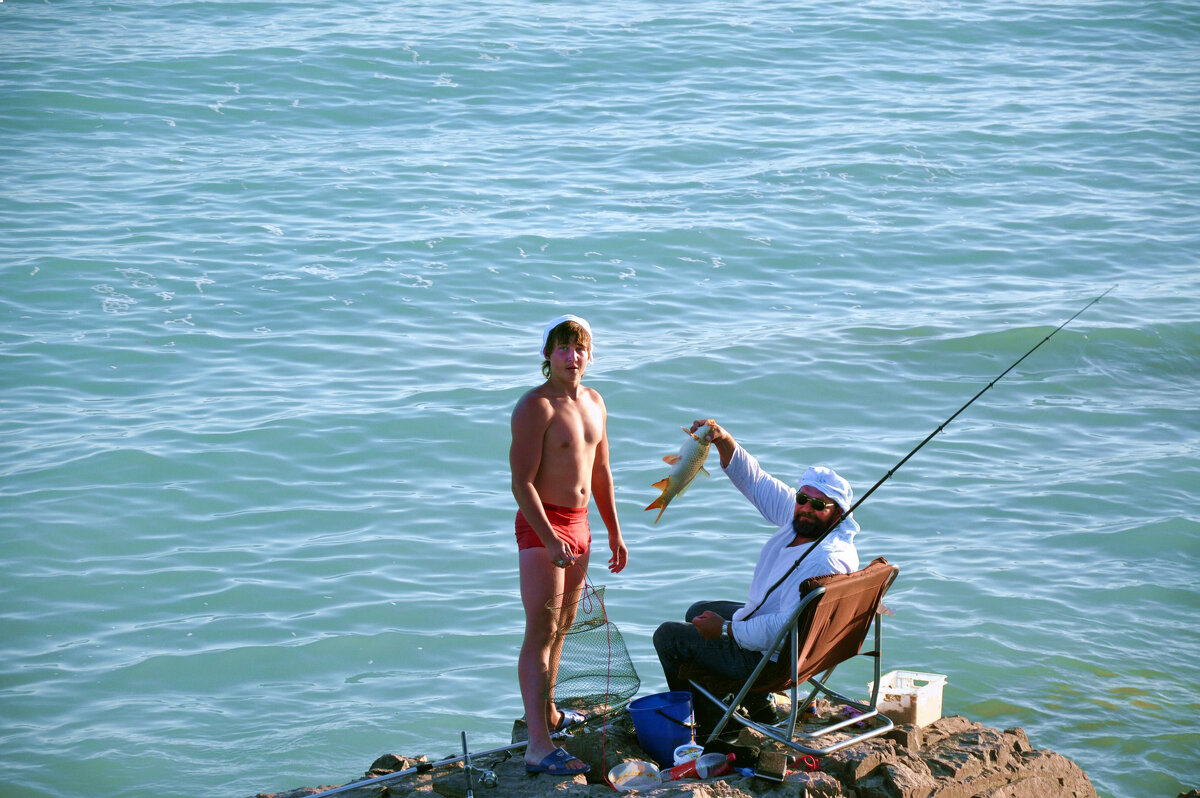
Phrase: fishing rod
(420,767)
(423,767)
(467,766)
(945,423)
(920,445)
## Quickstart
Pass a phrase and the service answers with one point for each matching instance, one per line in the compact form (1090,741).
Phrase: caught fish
(686,465)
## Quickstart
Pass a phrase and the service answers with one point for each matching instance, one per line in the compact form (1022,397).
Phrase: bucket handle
(676,721)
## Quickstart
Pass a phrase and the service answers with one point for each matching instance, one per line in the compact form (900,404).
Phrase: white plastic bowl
(635,774)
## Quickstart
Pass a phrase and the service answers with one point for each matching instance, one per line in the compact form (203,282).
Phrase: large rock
(950,758)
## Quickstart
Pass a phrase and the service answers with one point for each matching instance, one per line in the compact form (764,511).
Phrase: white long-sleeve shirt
(777,503)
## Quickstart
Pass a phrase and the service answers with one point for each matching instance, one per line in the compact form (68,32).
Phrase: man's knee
(541,637)
(668,635)
(661,635)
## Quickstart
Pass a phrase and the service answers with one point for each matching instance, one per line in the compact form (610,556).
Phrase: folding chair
(828,628)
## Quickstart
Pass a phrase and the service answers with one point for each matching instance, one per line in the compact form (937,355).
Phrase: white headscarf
(828,482)
(557,321)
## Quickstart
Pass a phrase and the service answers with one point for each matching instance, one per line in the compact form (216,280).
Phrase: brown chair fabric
(834,628)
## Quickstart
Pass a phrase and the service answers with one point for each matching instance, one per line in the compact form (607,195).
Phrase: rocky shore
(950,758)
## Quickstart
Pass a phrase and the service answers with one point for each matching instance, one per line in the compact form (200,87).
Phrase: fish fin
(660,502)
(704,471)
(671,459)
(662,483)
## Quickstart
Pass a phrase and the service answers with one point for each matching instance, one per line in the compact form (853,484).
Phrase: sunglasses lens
(817,504)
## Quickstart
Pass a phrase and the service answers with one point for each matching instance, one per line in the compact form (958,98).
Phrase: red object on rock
(706,767)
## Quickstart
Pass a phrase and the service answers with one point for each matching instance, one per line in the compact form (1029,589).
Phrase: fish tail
(660,502)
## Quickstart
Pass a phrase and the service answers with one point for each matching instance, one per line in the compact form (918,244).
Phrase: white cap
(557,321)
(828,482)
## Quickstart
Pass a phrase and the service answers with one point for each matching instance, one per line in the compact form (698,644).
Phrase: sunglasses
(817,504)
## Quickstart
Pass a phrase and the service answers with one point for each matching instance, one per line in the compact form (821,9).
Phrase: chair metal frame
(868,711)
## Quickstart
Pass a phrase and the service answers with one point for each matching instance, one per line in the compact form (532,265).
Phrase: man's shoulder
(592,394)
(534,393)
(533,403)
(841,555)
(542,400)
(546,393)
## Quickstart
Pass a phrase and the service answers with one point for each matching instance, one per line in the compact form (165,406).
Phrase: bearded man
(729,638)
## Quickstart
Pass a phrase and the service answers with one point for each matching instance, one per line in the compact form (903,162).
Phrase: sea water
(274,275)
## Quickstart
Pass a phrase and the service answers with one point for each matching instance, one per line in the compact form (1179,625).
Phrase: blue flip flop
(555,763)
(569,717)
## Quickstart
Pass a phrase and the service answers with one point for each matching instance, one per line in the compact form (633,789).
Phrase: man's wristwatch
(728,629)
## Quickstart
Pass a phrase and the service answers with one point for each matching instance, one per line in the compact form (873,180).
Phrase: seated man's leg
(758,705)
(680,643)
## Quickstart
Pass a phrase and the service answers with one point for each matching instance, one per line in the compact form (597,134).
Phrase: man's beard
(807,528)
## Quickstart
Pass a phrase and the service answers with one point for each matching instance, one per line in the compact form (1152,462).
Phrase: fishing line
(607,680)
(919,446)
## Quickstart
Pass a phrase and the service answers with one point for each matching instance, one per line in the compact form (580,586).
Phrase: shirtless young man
(559,461)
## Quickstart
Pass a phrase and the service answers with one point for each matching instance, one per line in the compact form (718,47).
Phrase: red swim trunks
(571,524)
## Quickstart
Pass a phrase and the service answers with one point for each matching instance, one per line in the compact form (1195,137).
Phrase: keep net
(594,669)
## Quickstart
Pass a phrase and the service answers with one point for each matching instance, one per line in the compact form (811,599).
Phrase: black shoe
(761,711)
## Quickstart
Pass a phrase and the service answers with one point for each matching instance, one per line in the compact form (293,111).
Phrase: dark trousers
(680,643)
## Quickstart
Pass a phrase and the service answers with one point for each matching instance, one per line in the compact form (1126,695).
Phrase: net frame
(590,665)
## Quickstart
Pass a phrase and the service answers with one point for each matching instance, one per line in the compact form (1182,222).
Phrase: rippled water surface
(274,275)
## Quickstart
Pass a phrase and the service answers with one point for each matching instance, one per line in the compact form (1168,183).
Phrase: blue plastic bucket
(663,722)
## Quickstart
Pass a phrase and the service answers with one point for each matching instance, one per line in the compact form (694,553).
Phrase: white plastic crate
(911,697)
